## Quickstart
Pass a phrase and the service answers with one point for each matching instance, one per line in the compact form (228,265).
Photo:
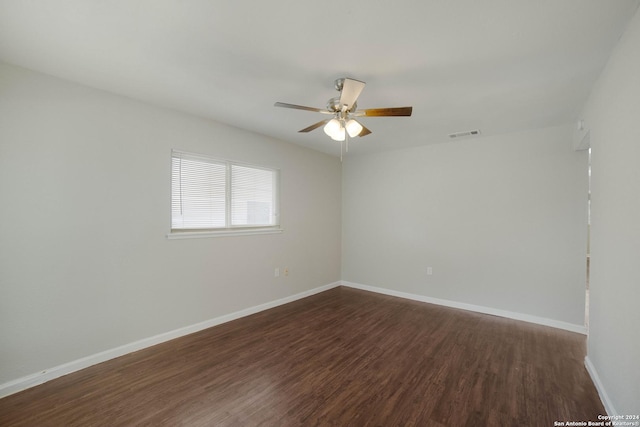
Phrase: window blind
(213,194)
(251,196)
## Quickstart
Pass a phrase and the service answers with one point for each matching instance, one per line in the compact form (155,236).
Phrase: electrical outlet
(276,272)
(429,271)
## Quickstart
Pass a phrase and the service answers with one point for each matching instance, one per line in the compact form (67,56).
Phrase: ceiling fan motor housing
(335,106)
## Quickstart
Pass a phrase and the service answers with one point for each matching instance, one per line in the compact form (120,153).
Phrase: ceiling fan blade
(350,92)
(314,126)
(364,132)
(301,107)
(386,112)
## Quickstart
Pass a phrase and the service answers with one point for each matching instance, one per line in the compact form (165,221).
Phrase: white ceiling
(494,65)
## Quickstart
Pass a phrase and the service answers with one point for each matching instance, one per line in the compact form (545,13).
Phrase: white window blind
(251,196)
(211,194)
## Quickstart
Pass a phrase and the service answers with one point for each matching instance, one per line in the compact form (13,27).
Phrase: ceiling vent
(467,133)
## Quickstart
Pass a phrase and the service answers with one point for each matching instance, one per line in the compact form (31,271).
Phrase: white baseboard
(581,329)
(604,397)
(41,377)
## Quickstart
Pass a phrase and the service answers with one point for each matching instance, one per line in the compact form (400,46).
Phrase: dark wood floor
(344,358)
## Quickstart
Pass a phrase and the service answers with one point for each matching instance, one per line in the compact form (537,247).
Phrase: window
(210,196)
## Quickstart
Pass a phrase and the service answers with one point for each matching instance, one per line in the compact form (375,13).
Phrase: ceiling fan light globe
(339,134)
(332,127)
(353,128)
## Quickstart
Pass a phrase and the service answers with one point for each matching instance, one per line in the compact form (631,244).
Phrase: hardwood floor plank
(342,357)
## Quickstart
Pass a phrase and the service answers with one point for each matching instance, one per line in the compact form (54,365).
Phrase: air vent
(467,133)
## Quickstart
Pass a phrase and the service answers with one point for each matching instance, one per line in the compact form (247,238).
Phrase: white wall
(611,115)
(85,207)
(501,220)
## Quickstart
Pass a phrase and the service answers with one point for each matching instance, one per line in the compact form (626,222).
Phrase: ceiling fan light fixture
(353,128)
(335,130)
(339,135)
(332,127)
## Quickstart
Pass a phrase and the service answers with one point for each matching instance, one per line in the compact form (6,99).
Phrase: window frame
(229,229)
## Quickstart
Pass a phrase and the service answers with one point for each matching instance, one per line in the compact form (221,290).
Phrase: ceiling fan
(343,109)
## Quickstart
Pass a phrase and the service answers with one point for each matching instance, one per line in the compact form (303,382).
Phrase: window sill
(221,233)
